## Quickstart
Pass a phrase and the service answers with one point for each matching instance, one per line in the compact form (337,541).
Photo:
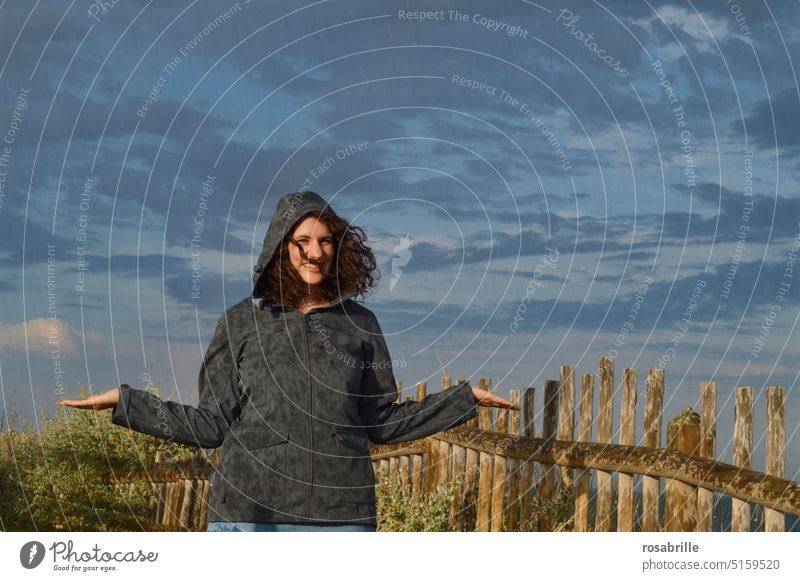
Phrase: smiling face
(317,243)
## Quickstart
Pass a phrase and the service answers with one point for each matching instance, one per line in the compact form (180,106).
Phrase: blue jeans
(254,527)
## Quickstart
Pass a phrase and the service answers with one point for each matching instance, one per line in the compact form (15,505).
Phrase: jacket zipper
(310,414)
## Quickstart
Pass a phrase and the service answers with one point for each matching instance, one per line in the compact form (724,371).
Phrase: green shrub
(558,512)
(399,509)
(53,477)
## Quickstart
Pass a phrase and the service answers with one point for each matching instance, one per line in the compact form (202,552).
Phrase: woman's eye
(305,242)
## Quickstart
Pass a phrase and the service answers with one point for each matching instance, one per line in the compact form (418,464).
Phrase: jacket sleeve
(203,426)
(388,422)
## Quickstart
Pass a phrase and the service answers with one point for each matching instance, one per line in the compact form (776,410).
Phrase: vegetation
(53,477)
(556,514)
(402,510)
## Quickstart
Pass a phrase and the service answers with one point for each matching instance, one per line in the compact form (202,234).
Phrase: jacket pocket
(355,439)
(256,439)
(259,470)
(352,476)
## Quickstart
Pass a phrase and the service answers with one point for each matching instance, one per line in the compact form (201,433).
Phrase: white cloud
(703,30)
(42,336)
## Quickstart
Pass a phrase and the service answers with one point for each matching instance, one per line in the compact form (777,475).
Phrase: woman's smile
(313,250)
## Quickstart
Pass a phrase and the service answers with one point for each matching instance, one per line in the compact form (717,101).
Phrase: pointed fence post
(445,449)
(527,473)
(680,509)
(584,435)
(549,471)
(514,466)
(486,420)
(651,487)
(708,443)
(605,430)
(417,466)
(499,477)
(774,521)
(627,437)
(742,452)
(566,419)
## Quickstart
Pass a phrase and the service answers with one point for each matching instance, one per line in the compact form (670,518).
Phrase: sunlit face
(317,242)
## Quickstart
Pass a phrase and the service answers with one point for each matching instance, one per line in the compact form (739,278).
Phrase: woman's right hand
(102,401)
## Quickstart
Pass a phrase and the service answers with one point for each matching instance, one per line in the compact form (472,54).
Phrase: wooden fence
(511,476)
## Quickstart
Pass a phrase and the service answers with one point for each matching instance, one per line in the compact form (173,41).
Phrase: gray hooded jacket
(294,400)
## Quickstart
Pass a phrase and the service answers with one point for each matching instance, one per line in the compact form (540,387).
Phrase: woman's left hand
(487,399)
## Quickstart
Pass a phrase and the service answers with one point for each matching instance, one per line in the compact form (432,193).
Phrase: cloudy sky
(543,184)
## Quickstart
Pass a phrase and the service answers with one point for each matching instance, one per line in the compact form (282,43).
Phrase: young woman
(295,384)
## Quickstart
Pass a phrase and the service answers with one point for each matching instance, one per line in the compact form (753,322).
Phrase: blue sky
(629,144)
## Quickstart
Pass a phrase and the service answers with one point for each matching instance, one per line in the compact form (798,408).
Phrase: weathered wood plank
(421,462)
(472,459)
(394,467)
(680,507)
(405,480)
(772,492)
(433,465)
(708,444)
(187,501)
(584,435)
(484,513)
(526,477)
(514,466)
(775,521)
(651,487)
(605,428)
(742,451)
(203,516)
(549,431)
(445,452)
(499,477)
(627,437)
(386,451)
(566,419)
(458,505)
(161,503)
(417,474)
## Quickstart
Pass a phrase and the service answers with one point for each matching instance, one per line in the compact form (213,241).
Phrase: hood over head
(290,209)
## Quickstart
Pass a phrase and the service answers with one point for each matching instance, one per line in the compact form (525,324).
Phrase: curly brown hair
(352,271)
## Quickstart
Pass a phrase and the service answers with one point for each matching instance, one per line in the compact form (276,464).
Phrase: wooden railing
(507,471)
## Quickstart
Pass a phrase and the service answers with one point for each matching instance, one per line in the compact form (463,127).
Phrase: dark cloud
(758,218)
(772,123)
(753,290)
(26,241)
(637,255)
(137,266)
(568,235)
(210,292)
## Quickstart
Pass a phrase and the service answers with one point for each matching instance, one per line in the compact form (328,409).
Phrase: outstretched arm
(389,422)
(203,426)
(102,401)
(488,399)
